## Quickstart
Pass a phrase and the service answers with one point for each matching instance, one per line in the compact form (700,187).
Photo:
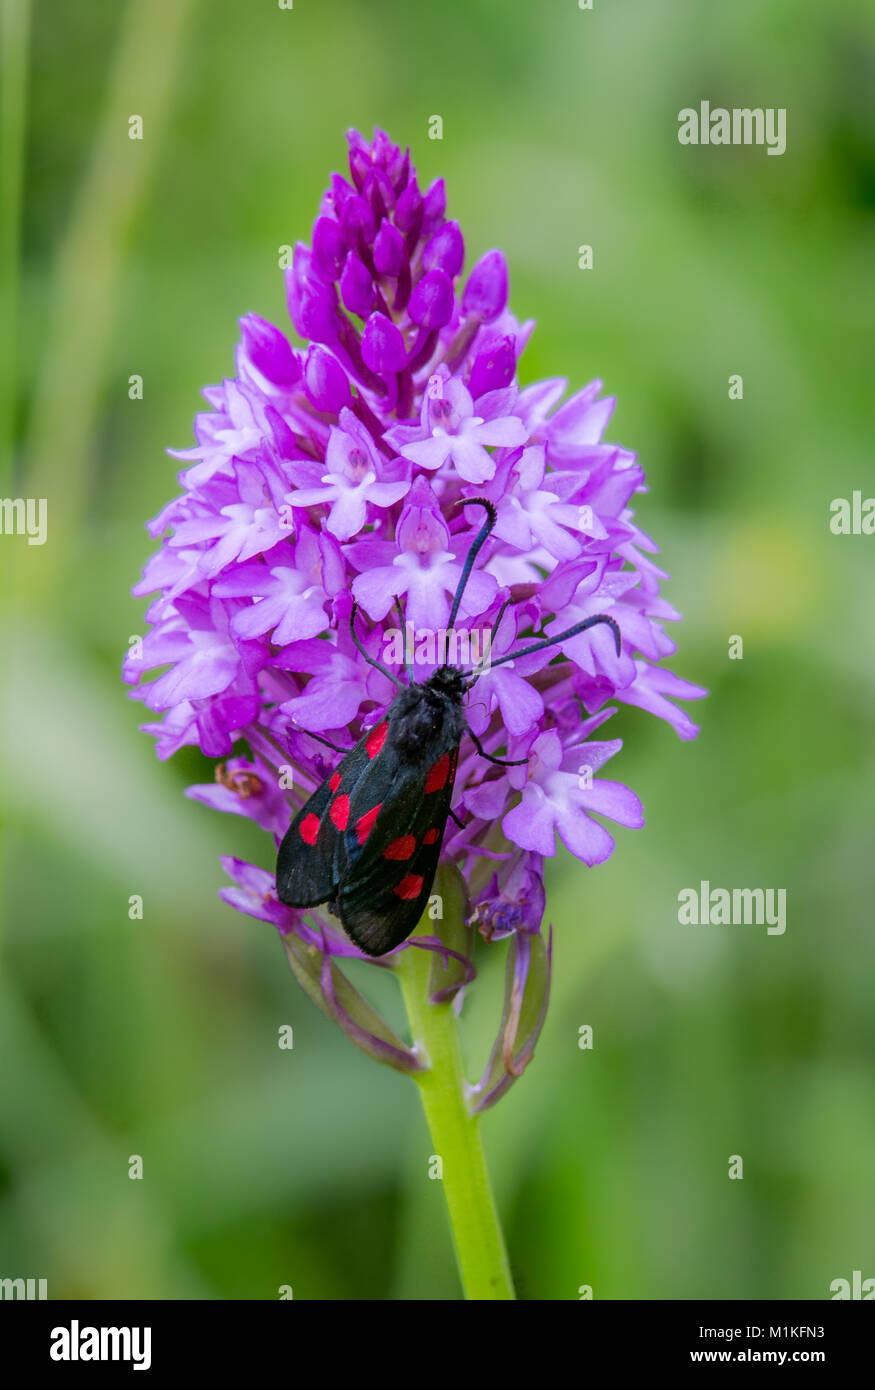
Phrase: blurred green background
(308,1167)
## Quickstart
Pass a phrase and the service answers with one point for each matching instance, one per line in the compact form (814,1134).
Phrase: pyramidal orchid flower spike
(332,477)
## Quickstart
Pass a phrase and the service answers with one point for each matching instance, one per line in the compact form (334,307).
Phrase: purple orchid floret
(514,899)
(339,469)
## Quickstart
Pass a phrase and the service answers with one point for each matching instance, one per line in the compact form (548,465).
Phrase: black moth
(368,840)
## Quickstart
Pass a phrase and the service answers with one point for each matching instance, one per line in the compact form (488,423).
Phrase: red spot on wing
(430,836)
(376,738)
(365,824)
(400,849)
(409,887)
(339,812)
(309,829)
(335,781)
(438,774)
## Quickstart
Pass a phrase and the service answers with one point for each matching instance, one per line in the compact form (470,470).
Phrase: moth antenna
(495,626)
(563,637)
(501,612)
(372,661)
(479,541)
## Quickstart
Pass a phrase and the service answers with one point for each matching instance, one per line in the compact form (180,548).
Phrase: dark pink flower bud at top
(357,287)
(445,250)
(326,384)
(494,366)
(431,304)
(486,291)
(388,249)
(382,345)
(269,351)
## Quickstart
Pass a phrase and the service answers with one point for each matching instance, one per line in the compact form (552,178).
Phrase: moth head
(447,680)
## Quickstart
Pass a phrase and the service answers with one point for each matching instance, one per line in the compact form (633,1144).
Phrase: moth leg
(499,762)
(459,823)
(407,659)
(327,741)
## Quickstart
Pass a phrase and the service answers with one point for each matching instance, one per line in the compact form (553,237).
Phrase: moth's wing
(393,849)
(312,857)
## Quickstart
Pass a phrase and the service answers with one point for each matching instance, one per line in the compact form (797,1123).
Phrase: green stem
(455,1133)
